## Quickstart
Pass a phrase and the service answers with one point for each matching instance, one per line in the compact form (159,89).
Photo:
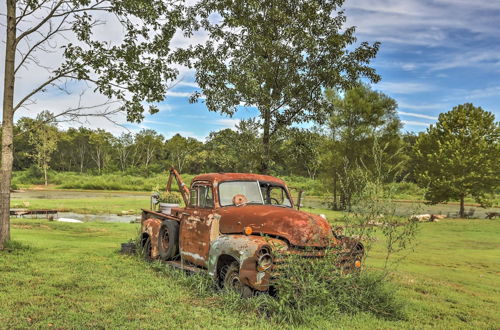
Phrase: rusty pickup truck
(230,227)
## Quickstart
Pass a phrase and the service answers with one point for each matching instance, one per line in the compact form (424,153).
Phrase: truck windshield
(250,189)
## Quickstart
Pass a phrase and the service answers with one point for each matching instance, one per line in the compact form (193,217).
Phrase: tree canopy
(277,56)
(362,122)
(459,156)
(132,71)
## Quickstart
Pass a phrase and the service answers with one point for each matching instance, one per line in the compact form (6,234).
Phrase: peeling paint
(209,236)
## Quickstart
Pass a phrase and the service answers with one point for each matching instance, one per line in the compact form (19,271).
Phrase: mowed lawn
(72,276)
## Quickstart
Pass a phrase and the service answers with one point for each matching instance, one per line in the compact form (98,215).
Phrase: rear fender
(151,227)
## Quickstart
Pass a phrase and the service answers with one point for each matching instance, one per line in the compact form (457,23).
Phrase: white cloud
(182,94)
(422,22)
(403,87)
(415,123)
(417,115)
(480,93)
(227,122)
(163,123)
(188,84)
(179,94)
(432,106)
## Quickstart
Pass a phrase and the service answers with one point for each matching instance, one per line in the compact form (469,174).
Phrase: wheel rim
(234,281)
(165,240)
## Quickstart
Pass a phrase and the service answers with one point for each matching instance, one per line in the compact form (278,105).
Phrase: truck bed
(147,214)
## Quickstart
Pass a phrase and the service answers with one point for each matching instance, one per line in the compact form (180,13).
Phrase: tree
(277,56)
(43,136)
(362,119)
(100,143)
(179,149)
(132,71)
(149,144)
(303,148)
(459,156)
(123,146)
(80,139)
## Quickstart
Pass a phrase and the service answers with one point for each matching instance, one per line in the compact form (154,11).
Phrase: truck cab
(232,226)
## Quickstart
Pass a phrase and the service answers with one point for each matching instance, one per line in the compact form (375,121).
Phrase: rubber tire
(168,240)
(232,280)
(146,250)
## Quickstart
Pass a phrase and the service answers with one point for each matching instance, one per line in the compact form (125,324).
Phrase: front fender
(244,249)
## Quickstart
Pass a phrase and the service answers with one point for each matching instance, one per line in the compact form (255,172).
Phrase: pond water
(30,195)
(98,217)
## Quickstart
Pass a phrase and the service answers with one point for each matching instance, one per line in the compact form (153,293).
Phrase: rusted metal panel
(244,249)
(151,227)
(196,233)
(221,177)
(299,228)
(209,235)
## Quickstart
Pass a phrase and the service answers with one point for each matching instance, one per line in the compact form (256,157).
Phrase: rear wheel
(146,249)
(168,240)
(231,280)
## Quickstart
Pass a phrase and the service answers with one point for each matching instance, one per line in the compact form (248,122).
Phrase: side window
(276,195)
(206,197)
(201,196)
(193,197)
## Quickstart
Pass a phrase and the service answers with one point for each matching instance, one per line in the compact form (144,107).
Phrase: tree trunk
(45,175)
(7,124)
(266,139)
(462,208)
(335,204)
(81,161)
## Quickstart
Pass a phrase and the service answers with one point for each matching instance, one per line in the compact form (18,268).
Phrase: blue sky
(434,55)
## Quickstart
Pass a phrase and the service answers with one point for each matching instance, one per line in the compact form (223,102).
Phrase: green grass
(86,181)
(315,189)
(86,205)
(71,276)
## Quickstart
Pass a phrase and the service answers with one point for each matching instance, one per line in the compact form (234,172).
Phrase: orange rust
(210,234)
(151,226)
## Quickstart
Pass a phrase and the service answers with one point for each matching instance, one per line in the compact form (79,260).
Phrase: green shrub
(314,286)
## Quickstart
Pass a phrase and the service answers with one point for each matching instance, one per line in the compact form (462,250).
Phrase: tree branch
(40,24)
(39,88)
(44,38)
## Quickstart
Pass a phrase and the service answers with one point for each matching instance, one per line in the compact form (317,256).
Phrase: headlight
(265,260)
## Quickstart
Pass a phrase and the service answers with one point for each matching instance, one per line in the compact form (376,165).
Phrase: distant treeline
(353,142)
(295,151)
(361,141)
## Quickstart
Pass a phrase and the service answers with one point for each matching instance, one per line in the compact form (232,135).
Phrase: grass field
(71,276)
(317,190)
(84,202)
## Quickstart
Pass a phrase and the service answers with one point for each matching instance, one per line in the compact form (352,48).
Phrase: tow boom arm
(182,187)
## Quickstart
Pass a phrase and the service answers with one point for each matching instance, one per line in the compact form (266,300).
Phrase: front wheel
(231,280)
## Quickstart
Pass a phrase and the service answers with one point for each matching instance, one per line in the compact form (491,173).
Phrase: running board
(181,265)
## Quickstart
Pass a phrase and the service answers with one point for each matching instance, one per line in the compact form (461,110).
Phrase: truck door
(199,225)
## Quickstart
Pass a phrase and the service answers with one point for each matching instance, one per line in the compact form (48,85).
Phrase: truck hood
(299,228)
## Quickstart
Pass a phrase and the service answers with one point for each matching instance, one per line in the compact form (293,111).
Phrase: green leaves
(459,156)
(135,70)
(277,55)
